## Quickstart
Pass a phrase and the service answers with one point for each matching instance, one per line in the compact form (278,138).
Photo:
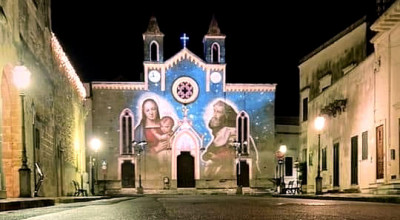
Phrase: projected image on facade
(197,126)
(220,154)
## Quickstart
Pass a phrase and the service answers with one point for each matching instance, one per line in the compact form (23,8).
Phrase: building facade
(52,113)
(356,93)
(199,131)
(287,167)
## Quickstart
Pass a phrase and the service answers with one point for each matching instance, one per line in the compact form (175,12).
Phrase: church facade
(184,126)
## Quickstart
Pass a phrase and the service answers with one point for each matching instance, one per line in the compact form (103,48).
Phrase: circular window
(185,90)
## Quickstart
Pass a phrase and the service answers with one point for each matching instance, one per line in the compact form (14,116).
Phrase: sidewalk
(346,197)
(24,203)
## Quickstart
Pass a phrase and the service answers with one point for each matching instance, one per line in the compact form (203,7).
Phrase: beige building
(357,94)
(54,111)
(287,133)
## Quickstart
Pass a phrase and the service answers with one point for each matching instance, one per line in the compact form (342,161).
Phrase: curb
(14,205)
(79,199)
(358,199)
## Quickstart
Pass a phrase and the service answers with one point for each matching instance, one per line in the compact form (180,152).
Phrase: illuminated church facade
(184,126)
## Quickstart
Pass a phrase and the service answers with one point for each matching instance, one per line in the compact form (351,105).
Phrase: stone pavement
(24,203)
(346,196)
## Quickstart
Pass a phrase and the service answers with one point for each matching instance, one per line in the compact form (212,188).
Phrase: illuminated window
(126,132)
(243,131)
(154,51)
(215,53)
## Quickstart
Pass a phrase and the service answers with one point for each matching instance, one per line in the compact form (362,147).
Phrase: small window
(215,53)
(393,154)
(153,51)
(325,82)
(364,143)
(305,109)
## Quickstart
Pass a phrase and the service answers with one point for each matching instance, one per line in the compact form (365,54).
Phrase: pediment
(185,54)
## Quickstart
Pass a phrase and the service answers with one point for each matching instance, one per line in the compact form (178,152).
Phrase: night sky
(264,42)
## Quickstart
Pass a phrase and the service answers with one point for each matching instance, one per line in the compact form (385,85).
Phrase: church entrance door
(128,174)
(243,178)
(185,170)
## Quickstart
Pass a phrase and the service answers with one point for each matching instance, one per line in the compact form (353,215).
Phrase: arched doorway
(128,174)
(185,170)
(243,179)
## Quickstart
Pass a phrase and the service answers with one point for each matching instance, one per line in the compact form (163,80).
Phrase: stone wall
(54,108)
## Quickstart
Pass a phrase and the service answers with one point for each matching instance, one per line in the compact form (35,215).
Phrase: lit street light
(281,160)
(95,145)
(21,77)
(319,125)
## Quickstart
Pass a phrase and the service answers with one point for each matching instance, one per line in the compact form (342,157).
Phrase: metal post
(283,175)
(92,174)
(239,185)
(140,188)
(318,179)
(24,171)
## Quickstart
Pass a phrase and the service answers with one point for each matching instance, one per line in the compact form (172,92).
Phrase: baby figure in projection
(166,125)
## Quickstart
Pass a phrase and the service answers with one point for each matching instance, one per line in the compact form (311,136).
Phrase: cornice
(241,87)
(119,85)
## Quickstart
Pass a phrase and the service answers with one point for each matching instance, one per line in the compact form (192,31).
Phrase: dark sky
(264,42)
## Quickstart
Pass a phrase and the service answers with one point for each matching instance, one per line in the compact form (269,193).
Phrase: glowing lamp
(21,76)
(319,123)
(283,149)
(95,144)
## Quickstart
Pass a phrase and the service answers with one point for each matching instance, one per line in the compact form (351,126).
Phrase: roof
(334,39)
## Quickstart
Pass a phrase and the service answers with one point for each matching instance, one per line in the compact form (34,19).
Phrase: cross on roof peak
(184,38)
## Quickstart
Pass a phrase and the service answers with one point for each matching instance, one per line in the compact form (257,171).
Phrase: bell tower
(153,40)
(214,44)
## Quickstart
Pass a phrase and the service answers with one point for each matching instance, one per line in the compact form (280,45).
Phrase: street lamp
(21,76)
(282,150)
(95,145)
(139,148)
(237,146)
(319,125)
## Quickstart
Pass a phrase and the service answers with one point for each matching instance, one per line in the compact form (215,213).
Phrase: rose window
(185,90)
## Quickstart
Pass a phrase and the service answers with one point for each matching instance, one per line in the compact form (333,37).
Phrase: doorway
(185,170)
(128,174)
(354,160)
(379,153)
(243,179)
(336,164)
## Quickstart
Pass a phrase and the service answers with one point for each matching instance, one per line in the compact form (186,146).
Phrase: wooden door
(128,174)
(379,153)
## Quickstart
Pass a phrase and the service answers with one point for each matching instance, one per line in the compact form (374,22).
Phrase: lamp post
(95,145)
(282,150)
(238,149)
(21,77)
(139,148)
(319,125)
